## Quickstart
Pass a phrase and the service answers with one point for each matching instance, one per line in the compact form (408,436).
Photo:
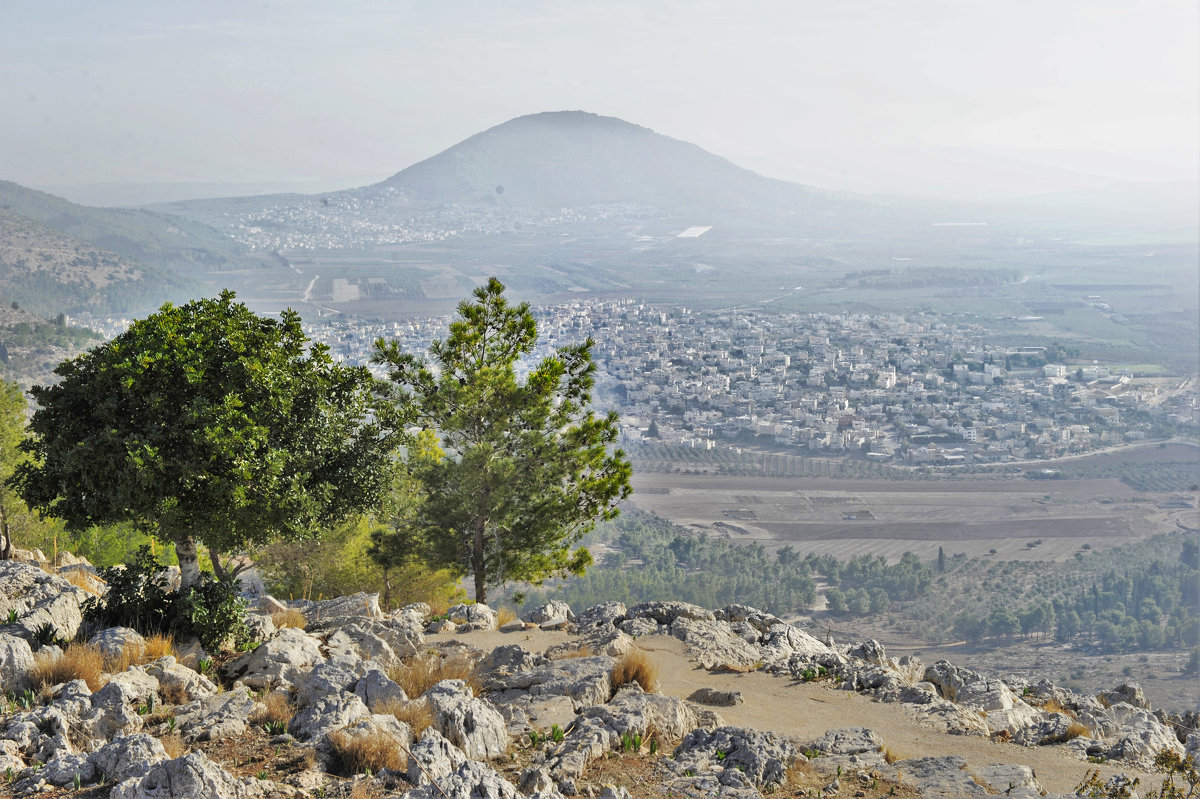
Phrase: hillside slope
(573,158)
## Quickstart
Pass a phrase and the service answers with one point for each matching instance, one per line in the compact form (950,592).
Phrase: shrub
(139,597)
(78,662)
(213,612)
(375,750)
(636,666)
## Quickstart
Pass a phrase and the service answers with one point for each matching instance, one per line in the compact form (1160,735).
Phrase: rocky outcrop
(40,601)
(335,675)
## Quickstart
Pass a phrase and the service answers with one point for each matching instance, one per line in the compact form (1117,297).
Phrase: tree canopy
(207,423)
(526,466)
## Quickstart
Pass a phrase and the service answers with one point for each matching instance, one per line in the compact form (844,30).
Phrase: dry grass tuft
(504,615)
(173,744)
(356,753)
(1052,705)
(636,666)
(1076,730)
(888,755)
(365,790)
(581,651)
(79,662)
(80,579)
(275,708)
(415,713)
(174,694)
(158,646)
(416,675)
(292,617)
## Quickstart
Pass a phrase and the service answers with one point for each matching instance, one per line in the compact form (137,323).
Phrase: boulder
(1129,693)
(375,688)
(342,611)
(62,770)
(556,609)
(633,712)
(761,758)
(940,777)
(111,641)
(127,757)
(215,716)
(277,662)
(179,684)
(586,681)
(714,646)
(40,599)
(667,612)
(433,758)
(471,780)
(473,616)
(329,713)
(469,723)
(331,677)
(188,777)
(711,696)
(16,659)
(600,617)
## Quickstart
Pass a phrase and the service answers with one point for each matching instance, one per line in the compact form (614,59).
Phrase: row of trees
(210,426)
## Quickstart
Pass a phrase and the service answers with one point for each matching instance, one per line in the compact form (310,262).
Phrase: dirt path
(807,710)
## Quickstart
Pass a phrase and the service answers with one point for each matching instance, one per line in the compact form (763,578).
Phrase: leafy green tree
(527,468)
(12,425)
(206,423)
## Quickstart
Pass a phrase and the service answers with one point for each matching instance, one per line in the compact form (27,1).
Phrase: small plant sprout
(556,733)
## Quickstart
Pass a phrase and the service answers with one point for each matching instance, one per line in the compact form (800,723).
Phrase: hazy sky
(952,97)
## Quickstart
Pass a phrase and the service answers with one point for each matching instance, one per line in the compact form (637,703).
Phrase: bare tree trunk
(477,561)
(6,552)
(189,562)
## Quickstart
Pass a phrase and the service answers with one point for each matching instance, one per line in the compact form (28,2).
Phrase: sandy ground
(805,711)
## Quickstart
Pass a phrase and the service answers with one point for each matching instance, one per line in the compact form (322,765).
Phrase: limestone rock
(433,757)
(342,611)
(473,617)
(188,777)
(329,713)
(600,617)
(127,757)
(179,683)
(711,696)
(40,599)
(632,712)
(1129,693)
(556,609)
(667,612)
(215,716)
(714,646)
(111,641)
(375,688)
(469,723)
(586,681)
(940,777)
(16,659)
(276,662)
(762,758)
(471,780)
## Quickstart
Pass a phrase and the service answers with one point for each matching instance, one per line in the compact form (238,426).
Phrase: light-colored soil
(846,517)
(805,711)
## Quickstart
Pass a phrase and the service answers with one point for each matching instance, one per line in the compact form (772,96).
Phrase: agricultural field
(1009,517)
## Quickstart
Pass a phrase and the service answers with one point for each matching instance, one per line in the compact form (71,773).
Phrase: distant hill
(150,238)
(572,158)
(48,272)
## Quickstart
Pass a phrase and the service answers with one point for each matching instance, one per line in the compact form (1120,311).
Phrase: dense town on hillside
(917,388)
